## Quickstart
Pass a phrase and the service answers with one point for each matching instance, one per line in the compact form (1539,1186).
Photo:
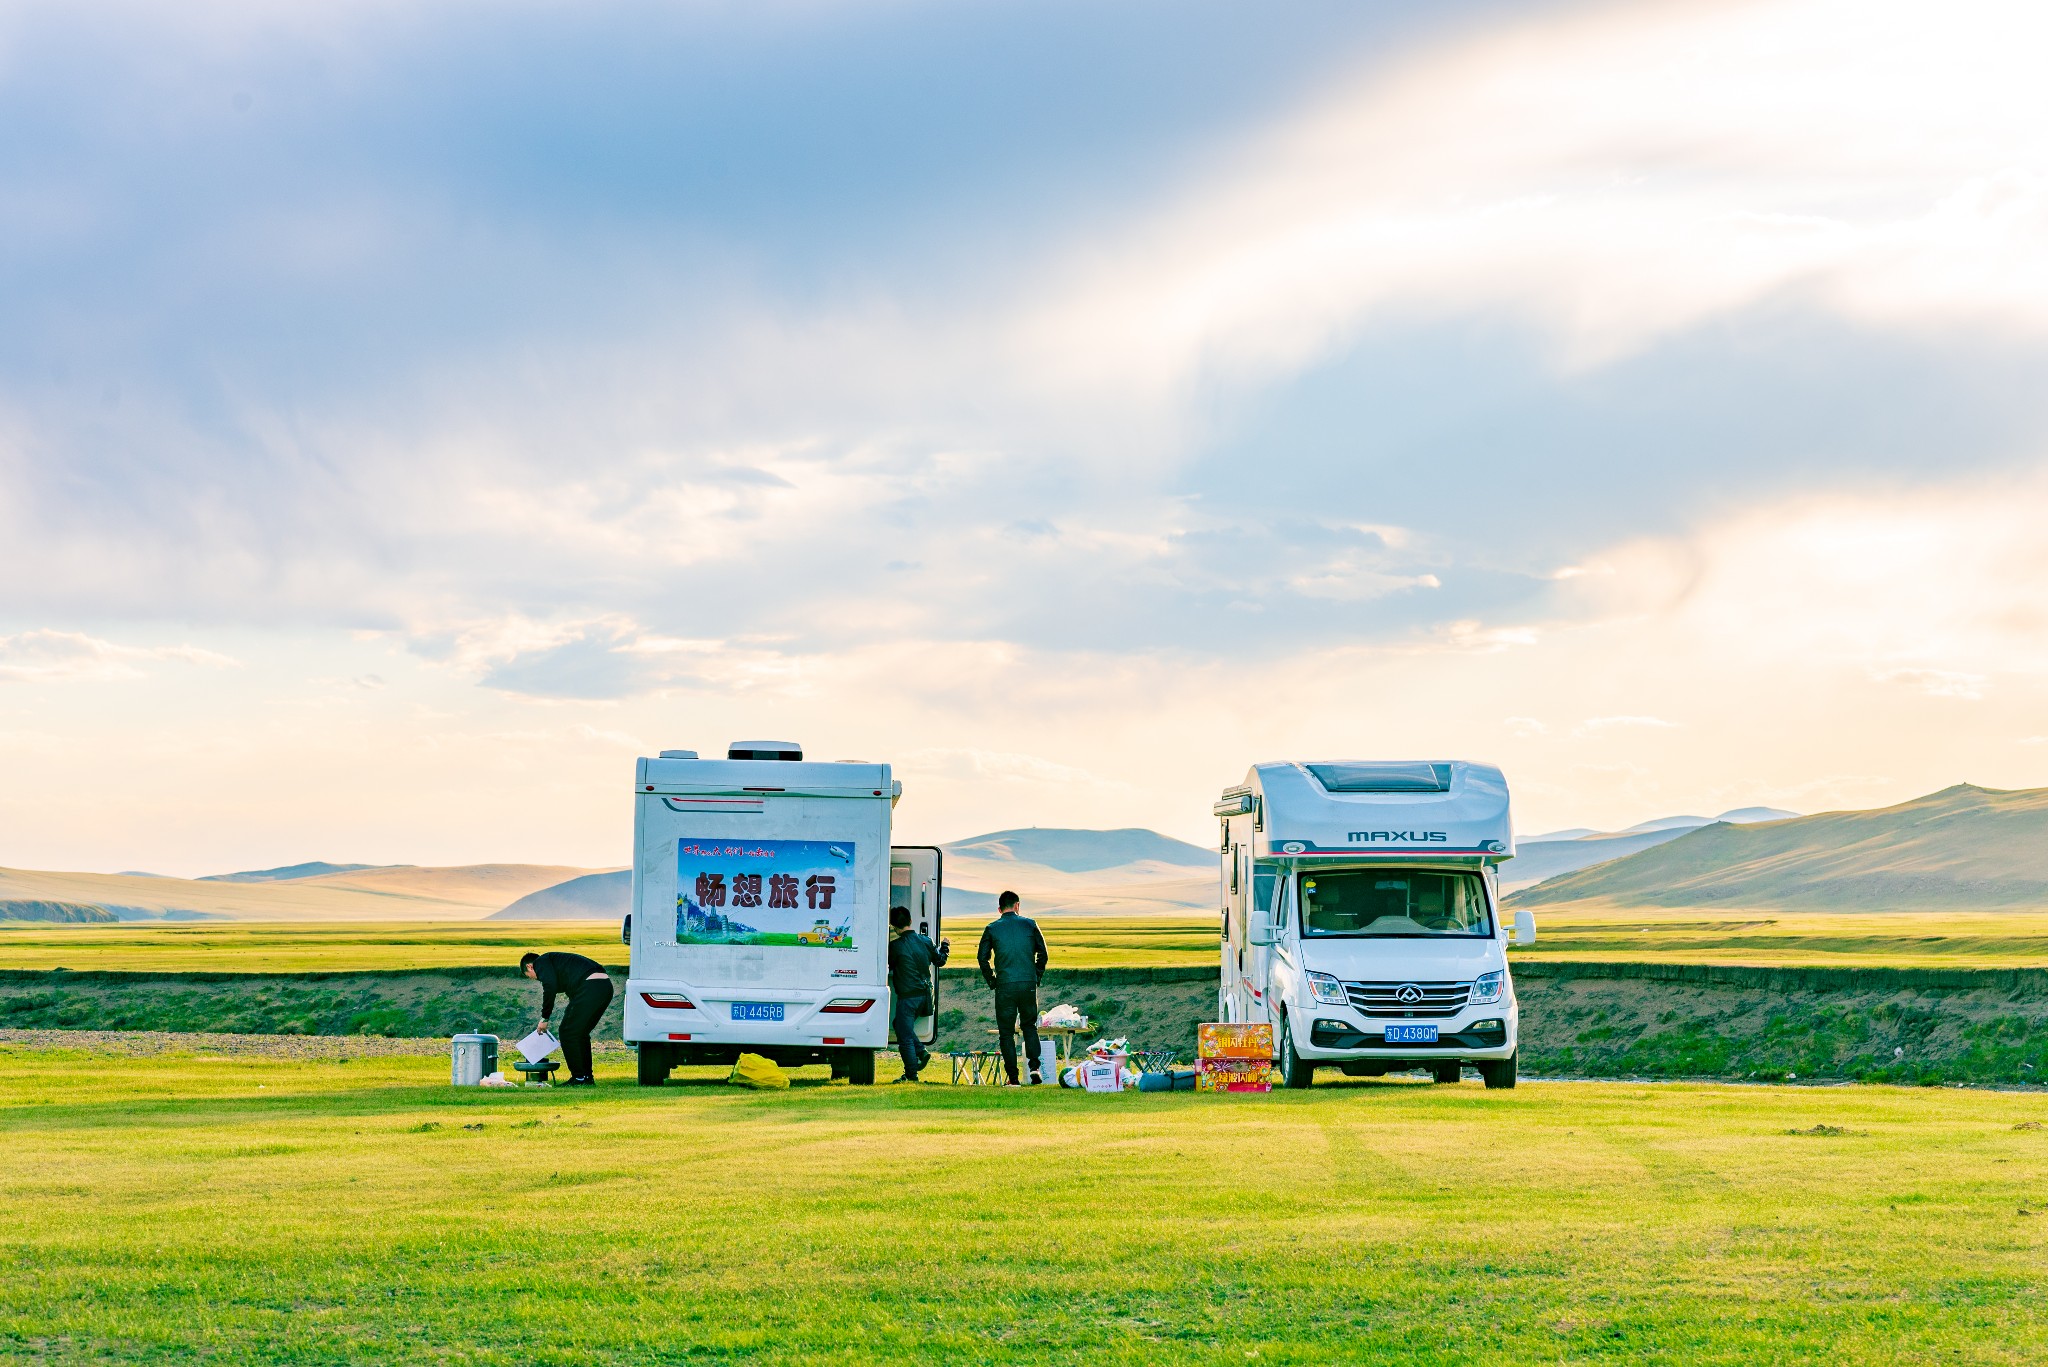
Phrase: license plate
(772,1011)
(1411,1034)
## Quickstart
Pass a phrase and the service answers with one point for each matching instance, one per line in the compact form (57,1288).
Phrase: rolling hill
(391,893)
(1961,848)
(1548,856)
(593,897)
(1060,870)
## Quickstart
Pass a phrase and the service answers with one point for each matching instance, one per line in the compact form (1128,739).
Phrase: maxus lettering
(1399,837)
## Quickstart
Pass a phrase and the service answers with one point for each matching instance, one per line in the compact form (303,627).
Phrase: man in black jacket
(912,957)
(588,989)
(1012,958)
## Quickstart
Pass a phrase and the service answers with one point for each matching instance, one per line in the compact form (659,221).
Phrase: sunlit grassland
(297,947)
(315,1212)
(1897,939)
(279,947)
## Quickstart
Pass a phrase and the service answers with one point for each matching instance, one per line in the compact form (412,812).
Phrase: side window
(1265,878)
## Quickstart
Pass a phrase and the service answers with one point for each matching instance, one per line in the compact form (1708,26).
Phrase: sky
(410,413)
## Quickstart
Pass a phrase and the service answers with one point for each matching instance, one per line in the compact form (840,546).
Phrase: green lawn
(1894,939)
(276,947)
(261,1210)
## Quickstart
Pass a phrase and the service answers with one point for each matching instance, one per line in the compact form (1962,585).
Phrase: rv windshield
(1393,902)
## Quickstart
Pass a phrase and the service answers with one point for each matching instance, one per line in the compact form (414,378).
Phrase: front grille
(1431,999)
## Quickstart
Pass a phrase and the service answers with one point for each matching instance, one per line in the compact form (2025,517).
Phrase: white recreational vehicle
(1362,917)
(762,884)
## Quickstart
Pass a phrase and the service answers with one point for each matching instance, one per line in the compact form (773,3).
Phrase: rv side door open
(915,882)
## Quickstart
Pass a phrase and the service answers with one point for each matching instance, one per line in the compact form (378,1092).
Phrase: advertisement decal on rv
(764,892)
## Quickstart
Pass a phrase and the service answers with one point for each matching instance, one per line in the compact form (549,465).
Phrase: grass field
(276,947)
(1896,939)
(267,1210)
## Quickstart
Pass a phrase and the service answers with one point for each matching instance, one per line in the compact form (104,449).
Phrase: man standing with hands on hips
(588,989)
(1012,958)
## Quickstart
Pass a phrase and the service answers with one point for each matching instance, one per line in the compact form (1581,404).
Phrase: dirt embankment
(1585,1019)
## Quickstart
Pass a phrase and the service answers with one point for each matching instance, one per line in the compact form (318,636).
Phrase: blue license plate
(1411,1034)
(772,1011)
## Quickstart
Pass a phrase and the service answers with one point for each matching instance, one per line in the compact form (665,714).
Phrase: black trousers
(586,1007)
(908,1046)
(1016,1002)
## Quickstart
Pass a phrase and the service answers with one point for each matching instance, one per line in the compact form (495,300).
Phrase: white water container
(1049,1062)
(472,1059)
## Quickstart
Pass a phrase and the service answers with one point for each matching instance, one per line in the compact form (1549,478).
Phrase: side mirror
(626,930)
(1260,929)
(1525,928)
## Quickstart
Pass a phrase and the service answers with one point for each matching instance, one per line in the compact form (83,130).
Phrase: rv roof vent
(764,749)
(1382,777)
(679,754)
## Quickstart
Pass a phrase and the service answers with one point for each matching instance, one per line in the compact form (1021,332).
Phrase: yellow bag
(754,1070)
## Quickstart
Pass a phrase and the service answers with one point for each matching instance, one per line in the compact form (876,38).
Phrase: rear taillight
(846,1006)
(667,1001)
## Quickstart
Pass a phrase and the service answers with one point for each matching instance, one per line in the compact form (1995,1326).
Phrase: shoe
(1013,1083)
(581,1082)
(1037,1081)
(907,1077)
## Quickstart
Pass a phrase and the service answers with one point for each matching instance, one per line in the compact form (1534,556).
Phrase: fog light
(1486,1027)
(1335,1025)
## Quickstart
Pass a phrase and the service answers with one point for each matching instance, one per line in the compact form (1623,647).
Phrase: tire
(1446,1072)
(654,1065)
(1498,1072)
(1293,1071)
(860,1069)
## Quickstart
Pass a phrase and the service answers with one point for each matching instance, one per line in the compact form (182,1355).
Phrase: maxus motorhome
(1362,917)
(762,884)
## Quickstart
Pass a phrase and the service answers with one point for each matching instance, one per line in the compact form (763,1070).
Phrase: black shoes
(581,1082)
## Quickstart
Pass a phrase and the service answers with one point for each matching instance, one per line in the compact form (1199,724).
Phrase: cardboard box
(1234,1075)
(1102,1075)
(1234,1041)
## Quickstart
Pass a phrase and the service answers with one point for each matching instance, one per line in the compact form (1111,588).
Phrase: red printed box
(1234,1075)
(1234,1041)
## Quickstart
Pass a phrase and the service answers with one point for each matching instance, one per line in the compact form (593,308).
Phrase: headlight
(1328,990)
(1487,988)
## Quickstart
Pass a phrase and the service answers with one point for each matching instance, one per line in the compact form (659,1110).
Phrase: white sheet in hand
(537,1046)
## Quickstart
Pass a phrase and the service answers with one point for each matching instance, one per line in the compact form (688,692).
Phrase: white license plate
(772,1011)
(1411,1034)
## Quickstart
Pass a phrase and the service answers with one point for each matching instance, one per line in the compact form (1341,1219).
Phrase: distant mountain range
(1546,856)
(398,892)
(1964,848)
(291,873)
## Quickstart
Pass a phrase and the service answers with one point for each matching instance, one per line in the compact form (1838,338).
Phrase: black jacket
(911,959)
(1012,952)
(562,972)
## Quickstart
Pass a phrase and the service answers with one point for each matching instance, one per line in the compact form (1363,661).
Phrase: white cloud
(73,657)
(1611,177)
(1938,683)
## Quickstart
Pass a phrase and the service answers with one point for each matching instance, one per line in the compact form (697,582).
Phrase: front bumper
(1485,1032)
